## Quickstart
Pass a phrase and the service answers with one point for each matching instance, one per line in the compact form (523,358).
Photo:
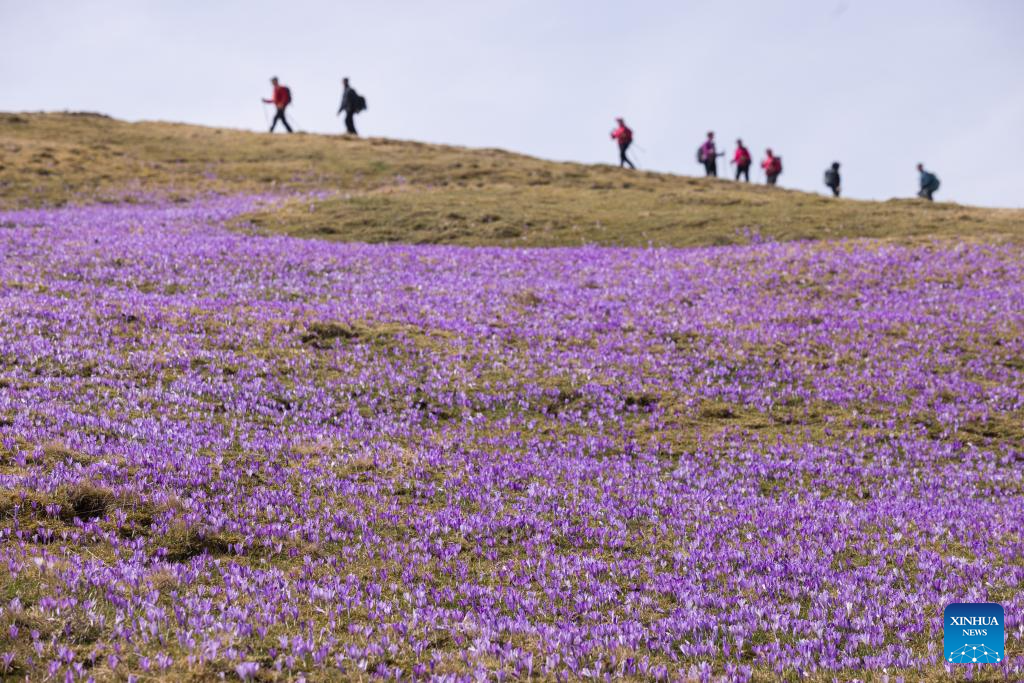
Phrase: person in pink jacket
(624,136)
(772,166)
(708,155)
(742,160)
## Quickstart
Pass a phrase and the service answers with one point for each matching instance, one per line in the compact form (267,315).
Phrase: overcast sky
(875,84)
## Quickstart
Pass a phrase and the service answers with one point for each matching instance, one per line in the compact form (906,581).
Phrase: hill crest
(383,190)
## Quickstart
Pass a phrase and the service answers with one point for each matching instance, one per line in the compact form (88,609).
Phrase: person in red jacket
(742,160)
(624,136)
(281,99)
(772,166)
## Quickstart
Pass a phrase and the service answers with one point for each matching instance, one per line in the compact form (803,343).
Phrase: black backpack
(831,178)
(360,103)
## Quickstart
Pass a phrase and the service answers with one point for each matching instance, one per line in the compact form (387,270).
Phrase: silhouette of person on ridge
(624,136)
(708,156)
(929,183)
(351,103)
(281,99)
(832,179)
(772,166)
(742,160)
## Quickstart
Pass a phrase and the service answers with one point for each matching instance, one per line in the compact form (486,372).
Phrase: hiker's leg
(280,112)
(623,159)
(835,191)
(350,123)
(714,167)
(746,173)
(273,124)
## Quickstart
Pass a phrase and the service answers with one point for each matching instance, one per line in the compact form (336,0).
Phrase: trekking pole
(642,151)
(298,125)
(265,117)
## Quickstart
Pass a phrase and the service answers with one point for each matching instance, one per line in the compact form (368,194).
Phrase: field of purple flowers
(222,452)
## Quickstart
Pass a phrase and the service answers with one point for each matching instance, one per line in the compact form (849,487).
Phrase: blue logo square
(973,633)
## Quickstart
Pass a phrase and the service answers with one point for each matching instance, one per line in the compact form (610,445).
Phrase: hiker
(742,160)
(772,166)
(281,99)
(929,183)
(707,155)
(351,103)
(624,136)
(832,178)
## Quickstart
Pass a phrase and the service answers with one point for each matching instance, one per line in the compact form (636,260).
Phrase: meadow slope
(394,191)
(231,451)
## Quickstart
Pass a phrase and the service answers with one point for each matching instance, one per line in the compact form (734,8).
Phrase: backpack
(744,157)
(358,102)
(287,95)
(776,165)
(700,154)
(831,178)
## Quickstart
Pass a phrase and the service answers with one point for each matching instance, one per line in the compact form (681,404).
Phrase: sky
(877,85)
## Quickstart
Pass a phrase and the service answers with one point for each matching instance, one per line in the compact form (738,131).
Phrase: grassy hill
(387,190)
(231,457)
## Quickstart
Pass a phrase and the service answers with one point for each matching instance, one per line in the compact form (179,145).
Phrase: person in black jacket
(929,183)
(832,178)
(349,105)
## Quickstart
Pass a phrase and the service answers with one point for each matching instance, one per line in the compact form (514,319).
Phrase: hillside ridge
(384,190)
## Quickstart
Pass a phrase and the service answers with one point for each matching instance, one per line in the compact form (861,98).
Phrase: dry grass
(392,191)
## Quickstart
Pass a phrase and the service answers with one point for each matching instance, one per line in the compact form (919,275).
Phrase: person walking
(832,179)
(351,103)
(772,166)
(742,160)
(624,136)
(707,155)
(929,183)
(281,99)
